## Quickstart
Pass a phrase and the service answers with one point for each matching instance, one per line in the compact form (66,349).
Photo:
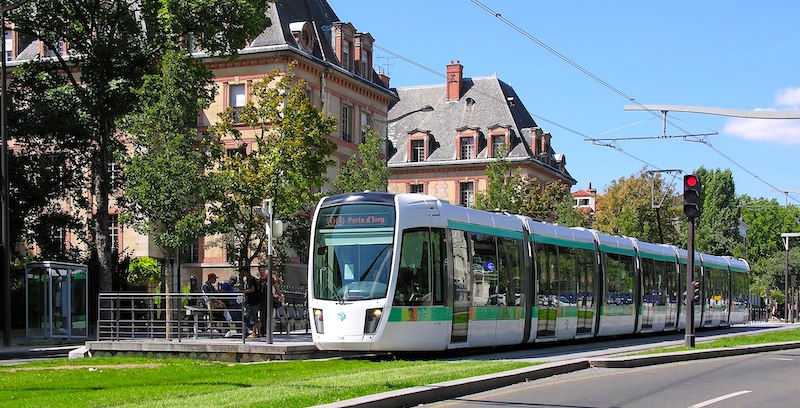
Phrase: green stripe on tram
(483,229)
(496,313)
(614,310)
(420,314)
(615,250)
(657,257)
(541,239)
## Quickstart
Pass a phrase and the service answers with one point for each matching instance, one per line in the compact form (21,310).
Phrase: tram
(410,272)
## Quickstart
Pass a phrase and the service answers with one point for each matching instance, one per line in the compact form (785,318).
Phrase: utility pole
(692,207)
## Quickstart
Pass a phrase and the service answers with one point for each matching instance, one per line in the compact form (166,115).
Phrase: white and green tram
(410,272)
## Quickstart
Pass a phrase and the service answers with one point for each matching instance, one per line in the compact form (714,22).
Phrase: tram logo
(341,316)
(334,221)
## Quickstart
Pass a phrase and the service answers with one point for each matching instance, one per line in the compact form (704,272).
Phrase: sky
(575,65)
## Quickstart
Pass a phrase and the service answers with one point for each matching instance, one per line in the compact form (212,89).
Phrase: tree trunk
(101,189)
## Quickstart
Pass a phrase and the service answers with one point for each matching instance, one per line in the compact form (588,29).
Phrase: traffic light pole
(689,338)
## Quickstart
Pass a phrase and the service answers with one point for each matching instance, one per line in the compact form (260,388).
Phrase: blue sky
(734,54)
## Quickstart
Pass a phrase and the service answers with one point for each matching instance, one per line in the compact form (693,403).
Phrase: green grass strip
(743,340)
(129,382)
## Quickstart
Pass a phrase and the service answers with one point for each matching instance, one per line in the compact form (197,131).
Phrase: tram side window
(586,272)
(567,277)
(650,296)
(547,258)
(462,269)
(420,278)
(509,292)
(484,269)
(619,279)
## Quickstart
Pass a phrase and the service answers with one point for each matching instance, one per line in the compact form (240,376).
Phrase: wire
(614,89)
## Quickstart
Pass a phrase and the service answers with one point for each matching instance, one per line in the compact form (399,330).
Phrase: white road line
(782,359)
(718,399)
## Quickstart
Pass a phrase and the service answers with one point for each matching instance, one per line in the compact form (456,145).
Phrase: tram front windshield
(353,252)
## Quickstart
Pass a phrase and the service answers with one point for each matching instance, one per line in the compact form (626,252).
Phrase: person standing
(254,295)
(212,303)
(277,296)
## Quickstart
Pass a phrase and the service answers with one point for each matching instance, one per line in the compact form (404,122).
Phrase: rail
(179,316)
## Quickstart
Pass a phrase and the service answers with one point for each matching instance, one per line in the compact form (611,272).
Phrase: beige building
(446,134)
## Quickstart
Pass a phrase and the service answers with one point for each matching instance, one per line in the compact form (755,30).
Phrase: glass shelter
(56,295)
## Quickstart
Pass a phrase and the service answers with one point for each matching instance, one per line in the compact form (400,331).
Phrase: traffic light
(696,285)
(691,196)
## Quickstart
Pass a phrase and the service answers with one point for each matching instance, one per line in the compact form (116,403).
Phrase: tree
(718,225)
(364,171)
(112,46)
(166,189)
(508,190)
(769,274)
(288,160)
(626,208)
(767,220)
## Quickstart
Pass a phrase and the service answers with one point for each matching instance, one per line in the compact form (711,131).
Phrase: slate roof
(485,102)
(278,36)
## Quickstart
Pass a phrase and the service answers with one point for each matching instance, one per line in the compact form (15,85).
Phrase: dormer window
(418,145)
(467,143)
(499,139)
(346,52)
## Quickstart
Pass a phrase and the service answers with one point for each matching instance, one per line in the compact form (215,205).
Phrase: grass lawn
(744,340)
(135,382)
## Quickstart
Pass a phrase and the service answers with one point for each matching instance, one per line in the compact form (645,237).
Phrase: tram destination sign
(356,219)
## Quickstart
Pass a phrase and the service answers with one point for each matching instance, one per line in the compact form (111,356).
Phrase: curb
(451,389)
(665,358)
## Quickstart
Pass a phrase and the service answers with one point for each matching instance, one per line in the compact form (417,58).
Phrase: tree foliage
(112,46)
(766,220)
(626,208)
(288,161)
(364,171)
(166,189)
(507,190)
(717,231)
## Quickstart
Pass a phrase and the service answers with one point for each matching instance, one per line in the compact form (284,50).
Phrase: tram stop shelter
(56,300)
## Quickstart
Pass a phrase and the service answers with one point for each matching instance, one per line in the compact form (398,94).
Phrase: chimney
(454,76)
(384,79)
(545,143)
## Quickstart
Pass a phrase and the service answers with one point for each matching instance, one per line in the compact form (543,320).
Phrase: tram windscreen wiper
(369,268)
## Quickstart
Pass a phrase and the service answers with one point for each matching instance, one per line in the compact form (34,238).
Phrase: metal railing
(174,316)
(178,316)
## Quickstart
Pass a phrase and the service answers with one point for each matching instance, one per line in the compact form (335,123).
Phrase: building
(586,200)
(332,57)
(443,136)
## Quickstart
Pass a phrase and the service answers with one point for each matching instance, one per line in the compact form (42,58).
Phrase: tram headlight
(371,320)
(318,321)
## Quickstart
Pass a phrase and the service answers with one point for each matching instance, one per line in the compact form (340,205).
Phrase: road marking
(718,399)
(782,359)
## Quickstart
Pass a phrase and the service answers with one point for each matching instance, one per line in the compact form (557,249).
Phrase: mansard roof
(486,103)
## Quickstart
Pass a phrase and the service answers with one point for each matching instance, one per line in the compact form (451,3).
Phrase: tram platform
(283,347)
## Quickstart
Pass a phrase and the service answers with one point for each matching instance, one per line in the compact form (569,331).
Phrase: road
(756,380)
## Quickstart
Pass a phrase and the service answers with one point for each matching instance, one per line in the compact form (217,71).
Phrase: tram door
(586,291)
(462,283)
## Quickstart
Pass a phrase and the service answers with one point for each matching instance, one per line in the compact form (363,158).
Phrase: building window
(113,231)
(58,237)
(416,188)
(347,123)
(240,151)
(9,44)
(467,191)
(190,253)
(417,150)
(365,64)
(467,148)
(238,98)
(346,54)
(499,144)
(366,119)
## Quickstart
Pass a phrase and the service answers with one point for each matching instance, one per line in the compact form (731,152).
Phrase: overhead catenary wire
(612,88)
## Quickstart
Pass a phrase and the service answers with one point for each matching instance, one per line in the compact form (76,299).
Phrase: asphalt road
(757,380)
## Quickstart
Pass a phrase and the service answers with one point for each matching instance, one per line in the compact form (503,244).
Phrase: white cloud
(789,97)
(783,131)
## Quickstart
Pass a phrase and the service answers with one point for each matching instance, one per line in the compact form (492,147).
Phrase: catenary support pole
(689,338)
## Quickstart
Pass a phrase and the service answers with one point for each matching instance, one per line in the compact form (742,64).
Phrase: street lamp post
(786,236)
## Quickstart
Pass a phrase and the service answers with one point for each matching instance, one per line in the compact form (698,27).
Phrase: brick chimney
(384,79)
(454,75)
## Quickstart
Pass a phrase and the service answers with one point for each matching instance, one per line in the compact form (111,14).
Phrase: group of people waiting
(254,291)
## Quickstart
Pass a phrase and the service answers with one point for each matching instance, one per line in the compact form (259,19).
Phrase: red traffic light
(691,180)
